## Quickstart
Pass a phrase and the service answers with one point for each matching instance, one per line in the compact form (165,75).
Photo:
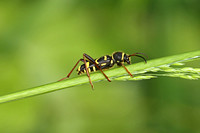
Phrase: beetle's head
(127,59)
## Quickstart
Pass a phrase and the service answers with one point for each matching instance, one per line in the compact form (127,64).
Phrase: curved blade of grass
(136,69)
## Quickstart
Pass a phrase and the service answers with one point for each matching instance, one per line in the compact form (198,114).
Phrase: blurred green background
(41,40)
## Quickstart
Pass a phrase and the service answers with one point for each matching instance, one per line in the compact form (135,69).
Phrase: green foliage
(154,68)
(168,71)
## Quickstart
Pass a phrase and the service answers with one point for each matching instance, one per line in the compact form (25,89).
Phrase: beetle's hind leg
(72,70)
(86,68)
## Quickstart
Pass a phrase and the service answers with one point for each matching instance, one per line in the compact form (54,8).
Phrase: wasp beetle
(104,62)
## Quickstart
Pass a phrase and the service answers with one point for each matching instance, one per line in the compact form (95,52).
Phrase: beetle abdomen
(103,62)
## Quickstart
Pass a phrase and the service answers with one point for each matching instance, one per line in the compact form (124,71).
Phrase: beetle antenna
(136,54)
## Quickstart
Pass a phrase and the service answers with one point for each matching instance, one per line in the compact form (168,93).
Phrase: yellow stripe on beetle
(105,57)
(111,61)
(96,61)
(122,56)
(94,68)
(103,64)
(79,68)
(87,64)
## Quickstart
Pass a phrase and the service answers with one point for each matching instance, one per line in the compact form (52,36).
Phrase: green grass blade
(115,73)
